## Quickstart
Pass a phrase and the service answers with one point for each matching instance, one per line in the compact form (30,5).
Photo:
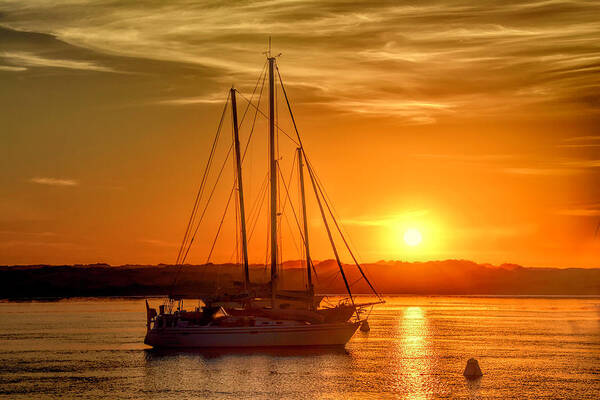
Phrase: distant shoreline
(433,278)
(477,296)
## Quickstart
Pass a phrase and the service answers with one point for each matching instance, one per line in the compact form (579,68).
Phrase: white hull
(334,334)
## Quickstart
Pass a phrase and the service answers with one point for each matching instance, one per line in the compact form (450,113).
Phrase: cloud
(467,157)
(55,181)
(389,220)
(418,112)
(579,145)
(157,243)
(582,139)
(214,99)
(20,233)
(584,164)
(35,243)
(581,142)
(25,59)
(473,58)
(497,231)
(583,210)
(558,167)
(540,171)
(12,69)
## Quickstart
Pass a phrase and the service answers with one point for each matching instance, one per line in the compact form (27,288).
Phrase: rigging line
(262,75)
(254,120)
(207,203)
(287,101)
(289,106)
(292,207)
(203,182)
(344,234)
(324,197)
(314,270)
(251,216)
(295,216)
(252,128)
(328,281)
(180,260)
(264,115)
(289,182)
(340,227)
(356,281)
(253,209)
(336,215)
(304,253)
(216,182)
(263,194)
(212,247)
(343,238)
(291,231)
(251,131)
(203,185)
(297,134)
(335,252)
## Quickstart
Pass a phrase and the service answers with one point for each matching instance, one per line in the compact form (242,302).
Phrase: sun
(412,237)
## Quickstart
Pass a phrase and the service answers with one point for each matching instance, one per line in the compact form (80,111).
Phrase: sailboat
(263,314)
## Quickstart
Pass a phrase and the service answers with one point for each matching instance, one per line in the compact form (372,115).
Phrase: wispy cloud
(541,171)
(214,99)
(157,243)
(54,181)
(12,69)
(581,210)
(580,142)
(36,243)
(25,59)
(418,112)
(557,167)
(467,157)
(21,233)
(582,139)
(584,164)
(370,59)
(579,145)
(388,220)
(498,231)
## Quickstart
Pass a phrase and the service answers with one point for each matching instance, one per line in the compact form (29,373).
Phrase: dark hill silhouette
(449,277)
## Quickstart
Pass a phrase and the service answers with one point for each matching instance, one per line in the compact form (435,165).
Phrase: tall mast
(306,246)
(238,163)
(273,176)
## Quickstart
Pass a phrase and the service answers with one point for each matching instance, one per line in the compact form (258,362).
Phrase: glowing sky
(476,123)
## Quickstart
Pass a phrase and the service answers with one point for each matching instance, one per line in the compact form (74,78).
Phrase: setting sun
(413,237)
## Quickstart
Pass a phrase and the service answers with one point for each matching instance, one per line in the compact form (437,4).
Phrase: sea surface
(528,348)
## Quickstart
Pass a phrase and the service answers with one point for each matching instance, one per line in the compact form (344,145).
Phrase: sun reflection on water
(413,354)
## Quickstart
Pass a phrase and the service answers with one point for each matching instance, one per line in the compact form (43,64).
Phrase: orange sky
(474,122)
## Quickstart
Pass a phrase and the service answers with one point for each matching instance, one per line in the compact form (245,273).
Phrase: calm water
(417,349)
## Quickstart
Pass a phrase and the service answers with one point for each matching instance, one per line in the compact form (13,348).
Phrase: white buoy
(472,370)
(364,327)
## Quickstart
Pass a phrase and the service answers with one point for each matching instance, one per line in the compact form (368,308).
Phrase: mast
(306,246)
(273,177)
(238,163)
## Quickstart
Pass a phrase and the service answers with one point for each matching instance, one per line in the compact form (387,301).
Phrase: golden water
(528,348)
